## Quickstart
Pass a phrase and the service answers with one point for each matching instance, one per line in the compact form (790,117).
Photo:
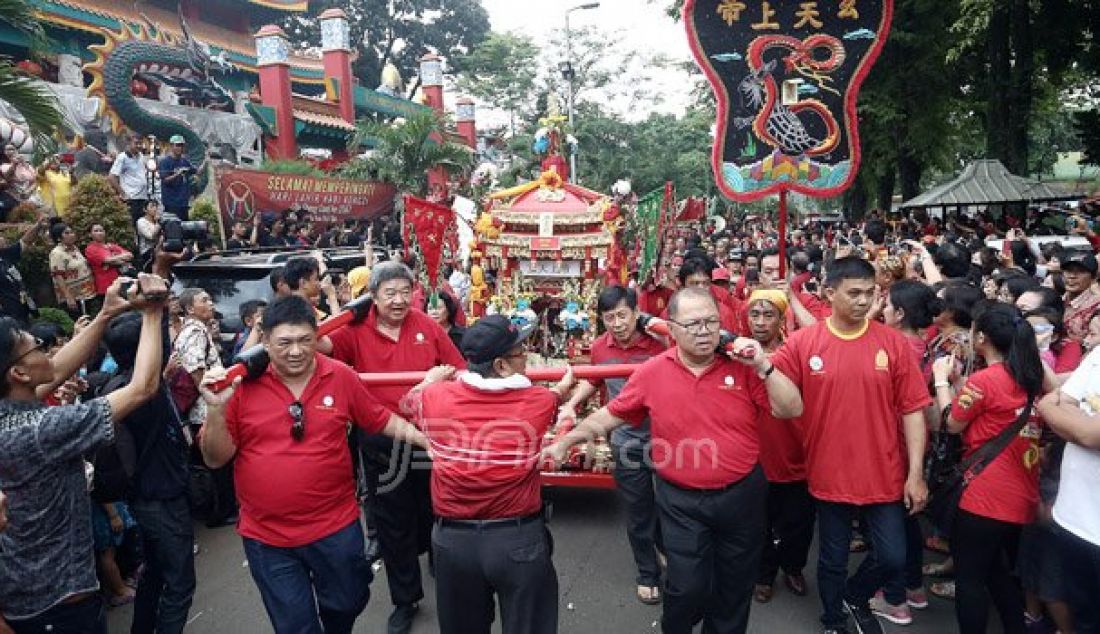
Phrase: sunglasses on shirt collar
(298,415)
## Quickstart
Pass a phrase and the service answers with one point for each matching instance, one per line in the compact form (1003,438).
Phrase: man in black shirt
(14,299)
(159,500)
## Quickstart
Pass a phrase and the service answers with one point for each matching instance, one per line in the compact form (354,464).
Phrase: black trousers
(166,589)
(402,513)
(1082,561)
(713,540)
(634,479)
(137,208)
(790,530)
(511,561)
(985,568)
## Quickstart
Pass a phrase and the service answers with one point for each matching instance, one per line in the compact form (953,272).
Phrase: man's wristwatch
(766,373)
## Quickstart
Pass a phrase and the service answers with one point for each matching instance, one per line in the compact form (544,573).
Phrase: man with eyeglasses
(490,538)
(47,567)
(395,337)
(287,432)
(703,410)
(623,342)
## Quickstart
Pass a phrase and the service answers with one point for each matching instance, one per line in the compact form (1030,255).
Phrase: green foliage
(501,70)
(292,167)
(384,31)
(28,96)
(206,209)
(405,152)
(649,153)
(34,262)
(94,202)
(56,316)
(1088,129)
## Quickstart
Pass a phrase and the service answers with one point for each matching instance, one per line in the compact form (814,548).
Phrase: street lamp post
(567,70)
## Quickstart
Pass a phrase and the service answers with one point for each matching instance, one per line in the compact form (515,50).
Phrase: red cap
(720,274)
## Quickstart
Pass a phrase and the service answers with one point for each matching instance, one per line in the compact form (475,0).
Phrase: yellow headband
(773,297)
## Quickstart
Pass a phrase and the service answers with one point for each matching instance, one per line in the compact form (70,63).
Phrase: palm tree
(404,152)
(28,96)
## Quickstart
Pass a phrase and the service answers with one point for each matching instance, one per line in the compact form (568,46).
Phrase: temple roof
(547,194)
(95,16)
(282,5)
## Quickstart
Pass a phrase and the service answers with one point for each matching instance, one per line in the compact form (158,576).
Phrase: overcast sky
(643,24)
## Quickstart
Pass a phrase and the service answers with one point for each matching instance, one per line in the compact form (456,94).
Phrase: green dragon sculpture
(147,52)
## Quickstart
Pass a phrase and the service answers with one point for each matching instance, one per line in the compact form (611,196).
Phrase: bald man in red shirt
(703,410)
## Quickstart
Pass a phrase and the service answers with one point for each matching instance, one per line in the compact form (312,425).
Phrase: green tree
(95,202)
(29,96)
(501,70)
(398,31)
(404,152)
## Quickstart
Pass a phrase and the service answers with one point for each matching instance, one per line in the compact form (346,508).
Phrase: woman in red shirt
(1003,498)
(911,308)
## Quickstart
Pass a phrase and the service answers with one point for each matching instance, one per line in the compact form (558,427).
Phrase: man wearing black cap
(1082,297)
(485,431)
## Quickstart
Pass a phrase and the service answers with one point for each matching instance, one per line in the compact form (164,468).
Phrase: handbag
(948,475)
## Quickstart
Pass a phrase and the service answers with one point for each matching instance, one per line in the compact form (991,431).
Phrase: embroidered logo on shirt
(882,360)
(816,363)
(327,401)
(419,337)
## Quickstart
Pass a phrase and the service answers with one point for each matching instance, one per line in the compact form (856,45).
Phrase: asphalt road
(595,572)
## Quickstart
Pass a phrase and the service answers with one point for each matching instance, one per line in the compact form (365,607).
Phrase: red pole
(783,234)
(539,374)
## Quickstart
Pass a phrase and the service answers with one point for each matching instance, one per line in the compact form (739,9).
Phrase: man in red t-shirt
(105,259)
(395,337)
(697,273)
(490,538)
(623,342)
(703,410)
(287,431)
(860,381)
(790,507)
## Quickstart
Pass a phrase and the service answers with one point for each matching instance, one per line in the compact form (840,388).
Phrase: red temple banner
(244,193)
(428,223)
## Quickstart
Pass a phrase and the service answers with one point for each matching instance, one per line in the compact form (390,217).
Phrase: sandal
(649,595)
(945,568)
(762,593)
(943,590)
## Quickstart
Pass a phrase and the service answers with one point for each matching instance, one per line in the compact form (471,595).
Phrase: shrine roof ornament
(786,74)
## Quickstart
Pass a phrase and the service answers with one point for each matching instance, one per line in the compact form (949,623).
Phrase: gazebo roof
(988,182)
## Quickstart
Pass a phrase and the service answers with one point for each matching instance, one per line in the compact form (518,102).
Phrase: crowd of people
(773,392)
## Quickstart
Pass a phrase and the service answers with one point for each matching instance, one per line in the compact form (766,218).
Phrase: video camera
(178,233)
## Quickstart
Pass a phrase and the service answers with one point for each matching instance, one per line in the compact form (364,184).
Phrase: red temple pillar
(465,119)
(272,53)
(336,53)
(431,81)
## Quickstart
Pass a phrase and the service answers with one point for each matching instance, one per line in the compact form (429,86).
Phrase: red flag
(428,222)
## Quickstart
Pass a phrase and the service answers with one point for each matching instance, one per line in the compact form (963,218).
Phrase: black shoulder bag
(948,475)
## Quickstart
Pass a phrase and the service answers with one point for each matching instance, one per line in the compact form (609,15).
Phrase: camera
(177,233)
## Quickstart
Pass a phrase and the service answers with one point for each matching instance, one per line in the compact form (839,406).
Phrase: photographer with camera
(176,174)
(47,577)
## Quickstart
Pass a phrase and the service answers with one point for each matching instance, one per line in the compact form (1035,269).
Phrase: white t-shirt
(132,176)
(1077,508)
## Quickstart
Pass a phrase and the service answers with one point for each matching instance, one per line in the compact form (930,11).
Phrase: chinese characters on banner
(787,74)
(428,224)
